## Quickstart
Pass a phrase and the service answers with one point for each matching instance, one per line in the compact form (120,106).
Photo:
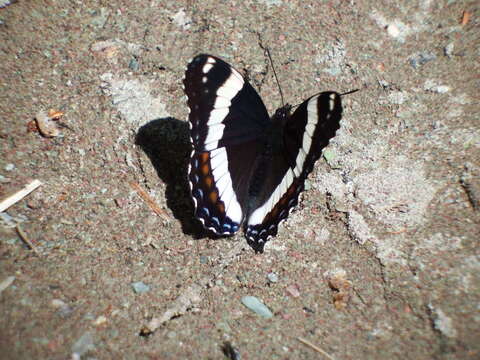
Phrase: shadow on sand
(167,144)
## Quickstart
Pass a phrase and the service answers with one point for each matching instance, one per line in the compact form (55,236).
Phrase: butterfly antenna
(342,94)
(349,92)
(275,74)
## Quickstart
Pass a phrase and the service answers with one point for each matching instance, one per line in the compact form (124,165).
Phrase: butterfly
(247,169)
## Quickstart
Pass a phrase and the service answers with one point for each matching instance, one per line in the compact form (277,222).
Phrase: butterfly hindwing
(305,133)
(227,127)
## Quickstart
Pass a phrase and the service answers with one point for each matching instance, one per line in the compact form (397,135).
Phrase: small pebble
(83,344)
(431,85)
(182,19)
(254,304)
(9,167)
(421,59)
(139,287)
(384,84)
(9,221)
(307,185)
(441,89)
(397,97)
(5,3)
(328,155)
(6,283)
(293,291)
(134,65)
(59,304)
(448,50)
(100,320)
(65,311)
(271,2)
(272,277)
(393,30)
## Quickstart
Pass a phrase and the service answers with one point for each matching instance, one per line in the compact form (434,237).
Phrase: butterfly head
(282,114)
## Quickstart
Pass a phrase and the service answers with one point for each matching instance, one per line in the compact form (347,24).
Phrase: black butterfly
(246,168)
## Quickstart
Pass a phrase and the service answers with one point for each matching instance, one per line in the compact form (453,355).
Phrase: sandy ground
(379,261)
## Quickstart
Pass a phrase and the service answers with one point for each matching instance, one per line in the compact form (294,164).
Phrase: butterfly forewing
(227,127)
(306,132)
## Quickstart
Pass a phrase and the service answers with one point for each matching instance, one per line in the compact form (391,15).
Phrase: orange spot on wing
(209,181)
(221,206)
(205,163)
(213,196)
(204,157)
(205,169)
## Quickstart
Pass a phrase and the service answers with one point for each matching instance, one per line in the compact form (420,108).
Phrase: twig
(192,295)
(471,193)
(396,232)
(188,298)
(316,348)
(19,195)
(6,283)
(26,240)
(148,199)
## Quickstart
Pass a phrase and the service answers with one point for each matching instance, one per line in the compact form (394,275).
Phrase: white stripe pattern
(208,65)
(223,182)
(312,120)
(218,156)
(217,116)
(225,93)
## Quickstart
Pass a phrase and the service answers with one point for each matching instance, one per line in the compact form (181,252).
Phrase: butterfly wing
(228,122)
(306,132)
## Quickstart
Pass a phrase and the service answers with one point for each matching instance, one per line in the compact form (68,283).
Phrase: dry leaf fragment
(55,114)
(338,282)
(32,126)
(46,122)
(465,18)
(148,199)
(108,49)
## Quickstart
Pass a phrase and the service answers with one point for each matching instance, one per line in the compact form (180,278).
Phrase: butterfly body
(247,168)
